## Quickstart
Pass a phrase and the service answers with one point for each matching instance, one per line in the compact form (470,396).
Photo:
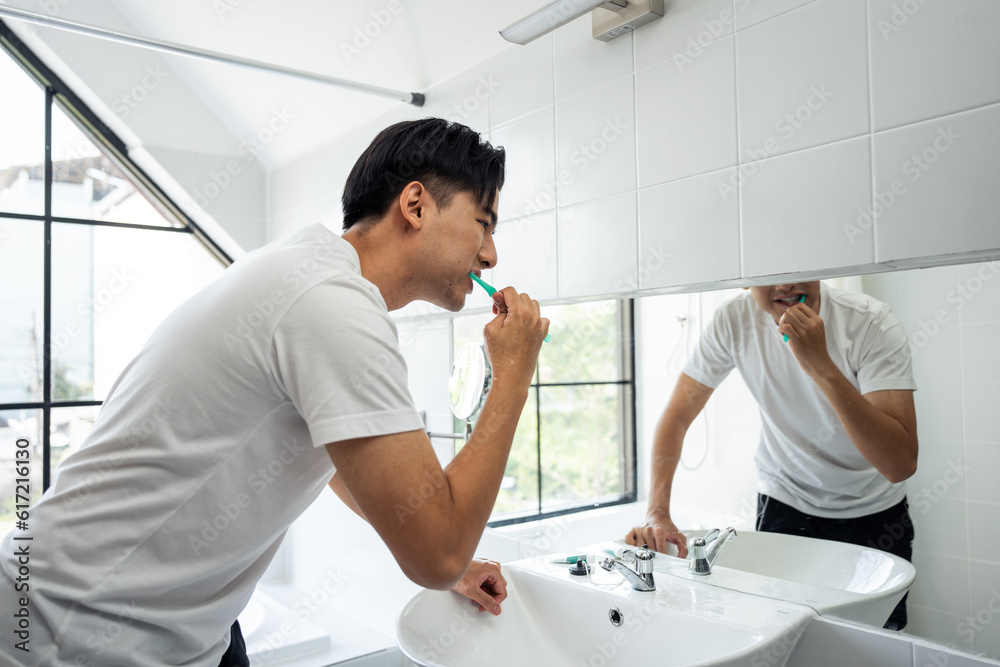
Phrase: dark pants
(889,530)
(236,654)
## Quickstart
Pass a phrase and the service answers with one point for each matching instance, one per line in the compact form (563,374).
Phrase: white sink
(555,619)
(836,579)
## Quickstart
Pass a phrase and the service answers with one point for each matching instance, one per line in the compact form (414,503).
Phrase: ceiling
(405,45)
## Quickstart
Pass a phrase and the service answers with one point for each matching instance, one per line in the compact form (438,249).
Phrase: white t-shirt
(805,458)
(153,535)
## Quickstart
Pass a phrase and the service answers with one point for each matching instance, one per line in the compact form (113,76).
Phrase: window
(92,257)
(574,448)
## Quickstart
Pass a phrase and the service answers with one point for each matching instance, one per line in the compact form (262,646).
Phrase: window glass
(582,445)
(573,444)
(21,327)
(111,286)
(22,141)
(87,185)
(68,428)
(585,346)
(519,488)
(20,431)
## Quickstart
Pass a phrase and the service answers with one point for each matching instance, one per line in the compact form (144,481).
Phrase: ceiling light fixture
(611,18)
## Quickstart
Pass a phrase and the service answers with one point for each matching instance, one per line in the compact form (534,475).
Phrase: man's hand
(657,533)
(514,337)
(807,339)
(484,585)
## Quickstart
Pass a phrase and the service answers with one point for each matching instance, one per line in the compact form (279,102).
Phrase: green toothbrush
(802,299)
(492,290)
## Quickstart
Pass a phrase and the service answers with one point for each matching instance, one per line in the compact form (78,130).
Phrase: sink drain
(616,616)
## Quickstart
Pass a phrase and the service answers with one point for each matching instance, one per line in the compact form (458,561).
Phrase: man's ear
(413,202)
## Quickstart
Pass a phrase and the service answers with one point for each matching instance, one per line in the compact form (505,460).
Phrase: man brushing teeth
(838,426)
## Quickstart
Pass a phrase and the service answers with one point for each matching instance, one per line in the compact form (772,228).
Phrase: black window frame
(627,389)
(113,148)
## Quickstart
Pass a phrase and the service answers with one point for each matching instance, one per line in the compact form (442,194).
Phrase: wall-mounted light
(611,18)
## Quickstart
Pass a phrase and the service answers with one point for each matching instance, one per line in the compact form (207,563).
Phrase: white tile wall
(610,266)
(595,138)
(982,419)
(694,227)
(750,13)
(689,27)
(942,173)
(686,115)
(796,209)
(938,626)
(803,79)
(948,590)
(926,58)
(583,63)
(522,80)
(952,495)
(527,251)
(530,182)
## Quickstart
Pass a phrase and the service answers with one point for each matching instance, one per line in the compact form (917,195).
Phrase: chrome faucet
(641,577)
(704,550)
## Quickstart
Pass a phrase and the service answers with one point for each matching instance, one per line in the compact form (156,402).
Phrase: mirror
(952,318)
(470,380)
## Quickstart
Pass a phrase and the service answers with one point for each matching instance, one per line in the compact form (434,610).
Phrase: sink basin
(836,579)
(551,617)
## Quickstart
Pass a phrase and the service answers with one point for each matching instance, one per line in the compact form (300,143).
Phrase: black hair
(446,157)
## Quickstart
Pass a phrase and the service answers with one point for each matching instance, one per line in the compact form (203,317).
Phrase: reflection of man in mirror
(279,378)
(830,371)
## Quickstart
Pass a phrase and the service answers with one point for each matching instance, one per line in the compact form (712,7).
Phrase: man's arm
(881,424)
(432,519)
(686,402)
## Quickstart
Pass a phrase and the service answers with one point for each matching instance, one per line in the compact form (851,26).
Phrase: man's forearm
(475,474)
(881,438)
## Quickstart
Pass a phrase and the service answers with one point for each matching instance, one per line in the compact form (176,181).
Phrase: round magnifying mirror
(470,380)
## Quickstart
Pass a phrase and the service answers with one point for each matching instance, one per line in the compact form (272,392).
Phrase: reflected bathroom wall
(952,318)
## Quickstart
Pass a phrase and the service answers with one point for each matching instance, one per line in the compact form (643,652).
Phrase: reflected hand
(807,339)
(657,532)
(483,584)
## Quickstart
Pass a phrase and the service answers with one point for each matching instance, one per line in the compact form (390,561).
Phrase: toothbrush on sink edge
(802,299)
(490,290)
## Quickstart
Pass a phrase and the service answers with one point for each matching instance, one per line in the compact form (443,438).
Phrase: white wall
(952,315)
(722,145)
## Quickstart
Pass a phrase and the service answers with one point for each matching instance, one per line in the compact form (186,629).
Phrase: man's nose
(488,253)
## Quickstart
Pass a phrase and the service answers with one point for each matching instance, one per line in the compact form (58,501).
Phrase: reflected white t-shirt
(805,458)
(153,535)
